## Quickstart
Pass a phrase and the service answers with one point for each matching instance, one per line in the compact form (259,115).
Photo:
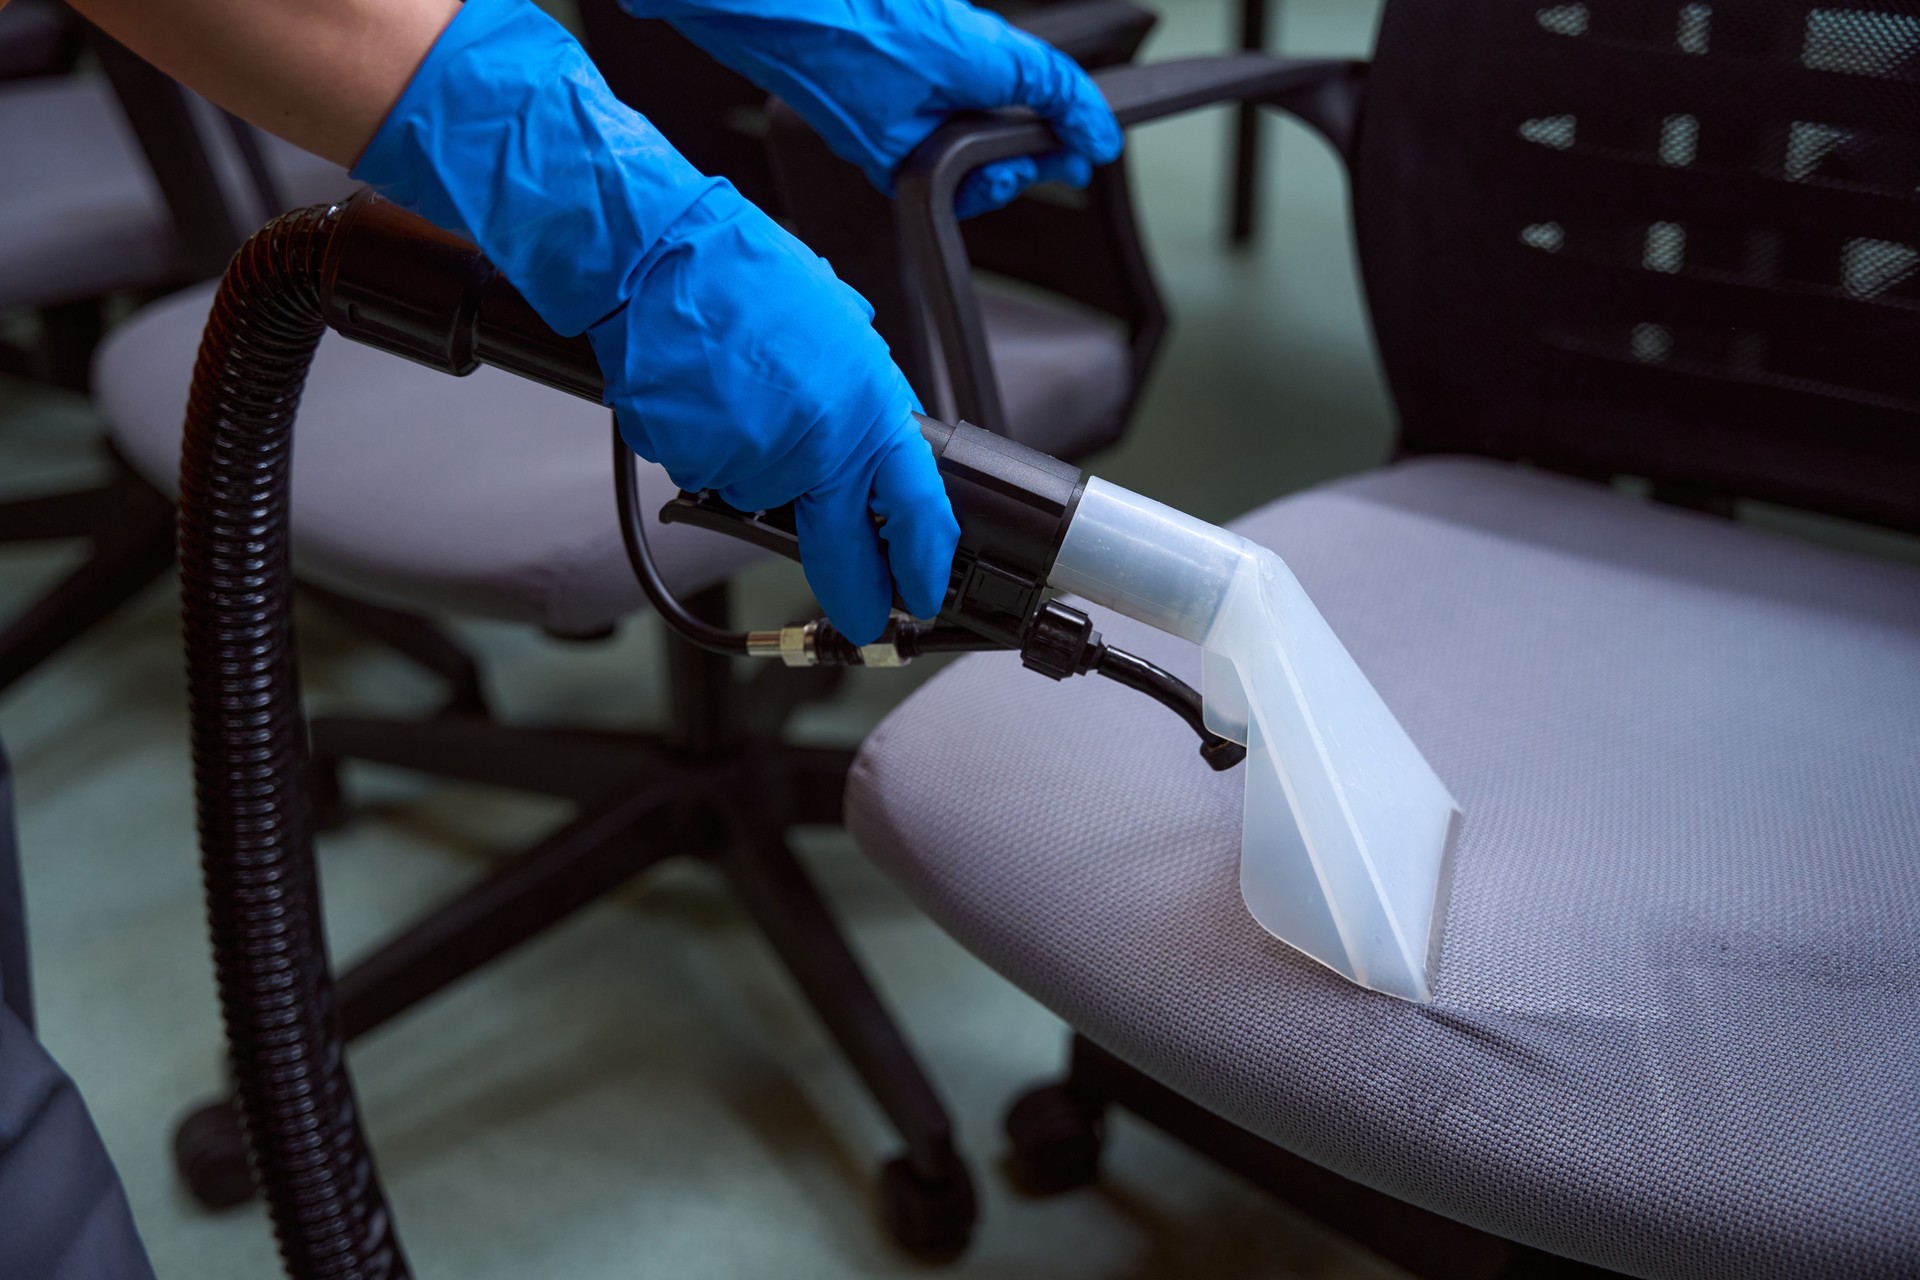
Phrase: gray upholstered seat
(1677,1026)
(488,495)
(80,214)
(1063,371)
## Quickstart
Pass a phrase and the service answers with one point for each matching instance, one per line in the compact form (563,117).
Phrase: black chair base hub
(721,785)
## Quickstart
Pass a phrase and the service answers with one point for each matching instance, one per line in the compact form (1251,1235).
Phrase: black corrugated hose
(250,762)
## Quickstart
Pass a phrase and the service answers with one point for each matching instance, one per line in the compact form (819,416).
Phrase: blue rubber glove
(875,77)
(732,356)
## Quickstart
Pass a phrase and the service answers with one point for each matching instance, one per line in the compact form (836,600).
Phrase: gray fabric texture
(63,1213)
(1677,1024)
(79,212)
(487,496)
(1063,371)
(16,988)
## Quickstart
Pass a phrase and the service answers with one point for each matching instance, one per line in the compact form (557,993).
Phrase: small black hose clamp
(1060,642)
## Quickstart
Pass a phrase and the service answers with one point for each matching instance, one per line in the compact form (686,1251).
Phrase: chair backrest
(1081,246)
(211,167)
(717,119)
(1673,240)
(714,118)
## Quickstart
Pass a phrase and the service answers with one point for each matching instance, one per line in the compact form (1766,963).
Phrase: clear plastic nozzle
(1347,830)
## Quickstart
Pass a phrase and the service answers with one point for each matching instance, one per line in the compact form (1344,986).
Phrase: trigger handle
(769,530)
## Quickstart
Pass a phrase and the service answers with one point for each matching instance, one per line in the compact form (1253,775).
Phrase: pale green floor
(640,1093)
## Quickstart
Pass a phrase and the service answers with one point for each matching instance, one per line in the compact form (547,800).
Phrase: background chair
(1674,1030)
(484,503)
(120,183)
(1051,299)
(718,120)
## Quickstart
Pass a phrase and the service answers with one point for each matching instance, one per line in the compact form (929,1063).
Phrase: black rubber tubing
(250,762)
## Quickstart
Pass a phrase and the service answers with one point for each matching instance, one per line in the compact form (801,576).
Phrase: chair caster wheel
(930,1218)
(210,1154)
(1056,1138)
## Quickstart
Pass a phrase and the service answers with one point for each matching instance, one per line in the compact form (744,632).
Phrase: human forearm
(320,73)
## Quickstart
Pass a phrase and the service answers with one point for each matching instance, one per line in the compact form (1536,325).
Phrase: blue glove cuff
(506,111)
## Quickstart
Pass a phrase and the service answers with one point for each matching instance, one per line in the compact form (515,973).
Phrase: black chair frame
(916,267)
(127,521)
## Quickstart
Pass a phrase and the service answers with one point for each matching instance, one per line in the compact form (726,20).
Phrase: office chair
(492,497)
(1674,1031)
(118,183)
(1039,321)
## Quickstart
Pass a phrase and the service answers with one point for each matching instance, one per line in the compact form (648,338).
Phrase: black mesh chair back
(716,119)
(1080,248)
(1673,240)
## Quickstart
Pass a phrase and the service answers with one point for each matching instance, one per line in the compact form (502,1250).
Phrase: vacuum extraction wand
(1014,505)
(394,281)
(1346,831)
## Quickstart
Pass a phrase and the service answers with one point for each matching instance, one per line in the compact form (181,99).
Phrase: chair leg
(584,860)
(782,899)
(776,691)
(1246,133)
(48,517)
(816,782)
(595,853)
(415,638)
(572,766)
(69,333)
(126,559)
(926,1197)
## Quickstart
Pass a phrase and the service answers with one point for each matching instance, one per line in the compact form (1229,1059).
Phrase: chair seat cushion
(79,214)
(487,496)
(1677,1019)
(1063,371)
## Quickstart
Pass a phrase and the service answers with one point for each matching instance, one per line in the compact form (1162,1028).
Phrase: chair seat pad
(485,496)
(1063,372)
(1677,1019)
(79,214)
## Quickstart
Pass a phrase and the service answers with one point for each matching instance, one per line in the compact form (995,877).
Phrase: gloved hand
(875,77)
(732,356)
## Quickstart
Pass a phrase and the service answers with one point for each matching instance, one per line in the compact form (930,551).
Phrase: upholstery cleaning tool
(1346,833)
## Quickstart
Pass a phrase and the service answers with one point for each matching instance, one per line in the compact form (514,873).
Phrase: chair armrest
(1140,93)
(1322,92)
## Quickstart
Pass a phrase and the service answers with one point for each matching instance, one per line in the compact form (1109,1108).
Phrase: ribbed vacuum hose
(250,762)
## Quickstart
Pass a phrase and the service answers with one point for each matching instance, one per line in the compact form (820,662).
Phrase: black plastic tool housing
(1014,505)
